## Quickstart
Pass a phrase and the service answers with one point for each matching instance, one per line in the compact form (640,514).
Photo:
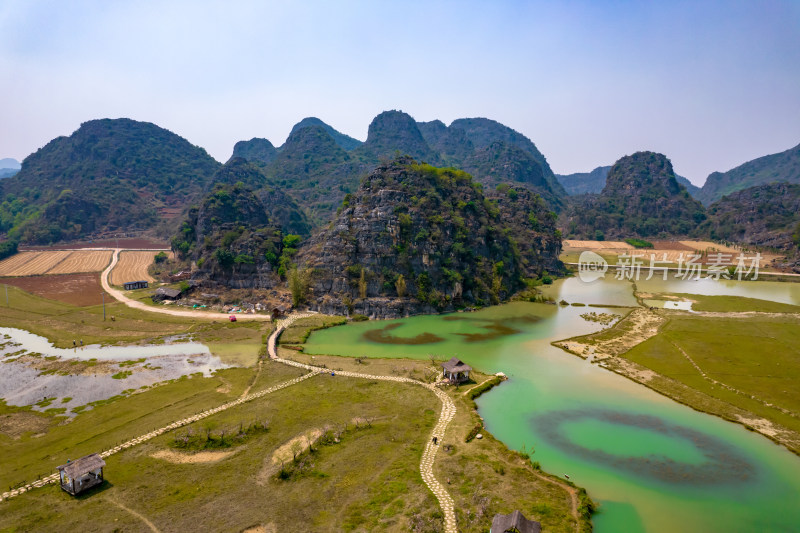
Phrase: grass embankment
(736,304)
(751,367)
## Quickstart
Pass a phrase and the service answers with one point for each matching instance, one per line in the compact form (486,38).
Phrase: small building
(163,293)
(515,523)
(131,285)
(85,473)
(455,371)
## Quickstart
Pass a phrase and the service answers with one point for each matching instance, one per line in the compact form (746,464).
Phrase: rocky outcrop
(345,142)
(414,239)
(594,181)
(255,150)
(765,215)
(641,198)
(503,163)
(394,132)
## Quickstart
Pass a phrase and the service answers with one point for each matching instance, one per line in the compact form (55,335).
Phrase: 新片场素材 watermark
(629,266)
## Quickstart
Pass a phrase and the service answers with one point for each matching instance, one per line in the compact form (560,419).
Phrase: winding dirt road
(135,304)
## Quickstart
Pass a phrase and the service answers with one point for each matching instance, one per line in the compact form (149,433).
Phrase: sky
(709,84)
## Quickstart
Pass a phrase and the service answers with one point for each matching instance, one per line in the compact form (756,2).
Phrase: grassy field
(751,364)
(62,323)
(363,475)
(737,304)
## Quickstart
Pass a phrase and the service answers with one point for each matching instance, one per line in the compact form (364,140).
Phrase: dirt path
(141,517)
(135,304)
(728,387)
(429,454)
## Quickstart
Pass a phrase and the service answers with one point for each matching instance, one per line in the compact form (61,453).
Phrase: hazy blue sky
(709,84)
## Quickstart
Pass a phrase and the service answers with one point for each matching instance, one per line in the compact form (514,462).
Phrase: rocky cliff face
(392,132)
(414,238)
(641,198)
(503,163)
(532,225)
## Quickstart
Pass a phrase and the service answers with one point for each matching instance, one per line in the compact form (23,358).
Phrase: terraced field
(55,262)
(132,266)
(80,261)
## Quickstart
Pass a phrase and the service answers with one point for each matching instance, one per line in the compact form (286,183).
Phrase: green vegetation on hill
(503,163)
(256,150)
(594,181)
(415,230)
(344,141)
(110,175)
(231,236)
(784,166)
(318,166)
(763,215)
(641,198)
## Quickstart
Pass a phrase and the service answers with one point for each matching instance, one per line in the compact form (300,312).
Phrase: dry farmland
(132,266)
(55,262)
(83,261)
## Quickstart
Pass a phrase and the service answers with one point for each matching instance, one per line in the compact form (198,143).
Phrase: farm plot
(83,261)
(598,245)
(32,263)
(132,266)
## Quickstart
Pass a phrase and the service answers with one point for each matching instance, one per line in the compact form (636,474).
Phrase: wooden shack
(132,285)
(455,370)
(85,473)
(514,523)
(163,293)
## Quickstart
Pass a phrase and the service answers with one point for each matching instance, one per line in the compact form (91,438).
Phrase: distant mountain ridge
(318,166)
(9,162)
(594,181)
(774,168)
(8,167)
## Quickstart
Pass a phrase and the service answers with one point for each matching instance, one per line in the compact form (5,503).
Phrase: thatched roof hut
(82,474)
(514,522)
(455,370)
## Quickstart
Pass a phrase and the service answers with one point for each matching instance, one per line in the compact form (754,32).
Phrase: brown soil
(129,244)
(671,245)
(17,424)
(76,289)
(191,458)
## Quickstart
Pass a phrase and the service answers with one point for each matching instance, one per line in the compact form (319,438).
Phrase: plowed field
(132,266)
(55,262)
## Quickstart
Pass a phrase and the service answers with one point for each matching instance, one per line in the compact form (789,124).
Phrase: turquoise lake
(653,465)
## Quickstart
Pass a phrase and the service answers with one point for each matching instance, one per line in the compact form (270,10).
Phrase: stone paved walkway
(429,454)
(53,478)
